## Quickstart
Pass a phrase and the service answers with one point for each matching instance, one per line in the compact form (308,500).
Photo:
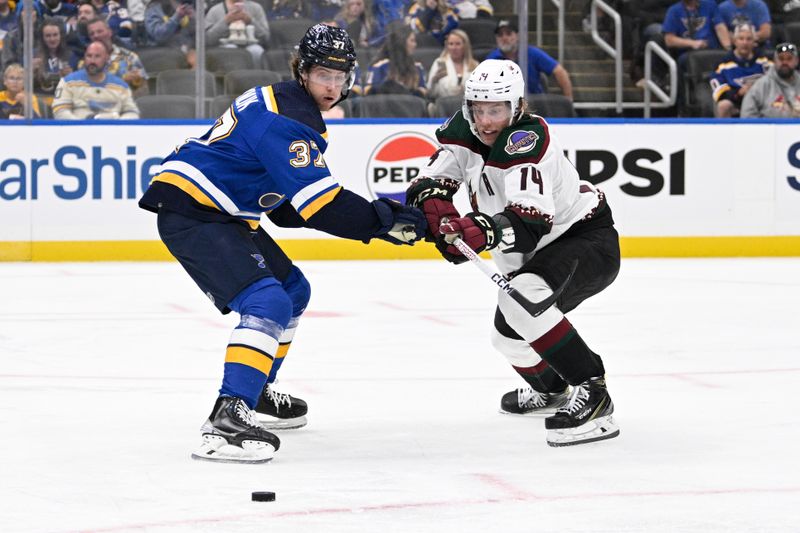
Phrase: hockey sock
(249,357)
(265,311)
(564,350)
(284,342)
(541,377)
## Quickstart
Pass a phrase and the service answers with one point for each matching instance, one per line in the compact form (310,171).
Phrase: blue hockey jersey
(255,157)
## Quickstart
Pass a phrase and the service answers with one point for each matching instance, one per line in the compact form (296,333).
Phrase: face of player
(324,85)
(455,48)
(744,42)
(507,40)
(490,119)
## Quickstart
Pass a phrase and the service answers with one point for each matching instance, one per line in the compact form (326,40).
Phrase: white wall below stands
(67,187)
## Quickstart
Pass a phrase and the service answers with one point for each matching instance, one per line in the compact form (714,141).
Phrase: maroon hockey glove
(478,230)
(435,200)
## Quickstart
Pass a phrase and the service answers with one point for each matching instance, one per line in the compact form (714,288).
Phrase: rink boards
(68,191)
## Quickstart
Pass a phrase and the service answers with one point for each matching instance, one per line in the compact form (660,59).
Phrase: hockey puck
(263,496)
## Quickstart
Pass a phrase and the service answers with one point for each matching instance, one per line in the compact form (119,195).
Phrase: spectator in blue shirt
(753,12)
(694,25)
(507,37)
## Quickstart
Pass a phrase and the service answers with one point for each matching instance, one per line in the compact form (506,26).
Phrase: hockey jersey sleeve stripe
(249,357)
(310,193)
(310,208)
(269,99)
(184,170)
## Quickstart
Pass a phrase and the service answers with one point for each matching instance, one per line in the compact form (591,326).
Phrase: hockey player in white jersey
(535,215)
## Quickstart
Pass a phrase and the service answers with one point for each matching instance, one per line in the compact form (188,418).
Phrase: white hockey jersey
(525,175)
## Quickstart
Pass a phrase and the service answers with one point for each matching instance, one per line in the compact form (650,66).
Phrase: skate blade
(595,430)
(539,413)
(272,423)
(216,449)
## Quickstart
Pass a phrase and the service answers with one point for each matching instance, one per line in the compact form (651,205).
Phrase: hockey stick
(534,308)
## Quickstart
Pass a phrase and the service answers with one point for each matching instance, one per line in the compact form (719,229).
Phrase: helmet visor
(330,78)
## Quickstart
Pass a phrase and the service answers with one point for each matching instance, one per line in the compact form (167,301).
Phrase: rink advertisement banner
(70,190)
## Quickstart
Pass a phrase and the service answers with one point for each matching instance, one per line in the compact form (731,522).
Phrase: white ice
(107,371)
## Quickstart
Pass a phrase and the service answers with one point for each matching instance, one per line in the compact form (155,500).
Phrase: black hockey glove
(436,201)
(478,230)
(401,224)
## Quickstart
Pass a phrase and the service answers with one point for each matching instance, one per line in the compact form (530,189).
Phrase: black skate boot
(586,417)
(232,435)
(529,402)
(276,410)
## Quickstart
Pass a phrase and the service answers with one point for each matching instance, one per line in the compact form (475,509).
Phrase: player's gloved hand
(478,230)
(435,201)
(402,224)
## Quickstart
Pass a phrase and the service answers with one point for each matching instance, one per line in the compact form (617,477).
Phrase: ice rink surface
(107,371)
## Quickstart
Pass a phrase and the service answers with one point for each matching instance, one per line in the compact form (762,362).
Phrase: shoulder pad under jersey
(456,130)
(524,142)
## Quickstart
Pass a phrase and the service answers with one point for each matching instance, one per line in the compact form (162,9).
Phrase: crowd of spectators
(410,47)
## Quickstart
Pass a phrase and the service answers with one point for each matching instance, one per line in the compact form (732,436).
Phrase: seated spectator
(470,9)
(76,35)
(60,10)
(355,18)
(694,25)
(286,9)
(238,24)
(737,72)
(776,94)
(386,13)
(91,92)
(451,70)
(783,12)
(12,43)
(12,99)
(507,37)
(753,12)
(397,72)
(8,19)
(122,62)
(433,17)
(171,23)
(51,58)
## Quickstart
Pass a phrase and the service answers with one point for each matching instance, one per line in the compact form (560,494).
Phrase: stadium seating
(446,106)
(220,61)
(700,64)
(480,31)
(551,105)
(288,32)
(277,60)
(166,106)
(183,82)
(392,106)
(219,104)
(238,81)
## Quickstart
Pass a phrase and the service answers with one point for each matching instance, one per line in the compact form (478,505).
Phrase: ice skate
(526,401)
(232,435)
(586,417)
(276,410)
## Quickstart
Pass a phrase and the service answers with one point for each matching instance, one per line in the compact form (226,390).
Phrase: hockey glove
(401,224)
(435,200)
(478,230)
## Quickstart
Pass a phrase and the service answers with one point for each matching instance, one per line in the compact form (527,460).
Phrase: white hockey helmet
(494,80)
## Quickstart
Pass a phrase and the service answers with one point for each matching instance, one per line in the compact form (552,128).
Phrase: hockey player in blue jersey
(265,155)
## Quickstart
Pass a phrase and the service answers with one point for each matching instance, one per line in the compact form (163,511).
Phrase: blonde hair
(13,67)
(472,64)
